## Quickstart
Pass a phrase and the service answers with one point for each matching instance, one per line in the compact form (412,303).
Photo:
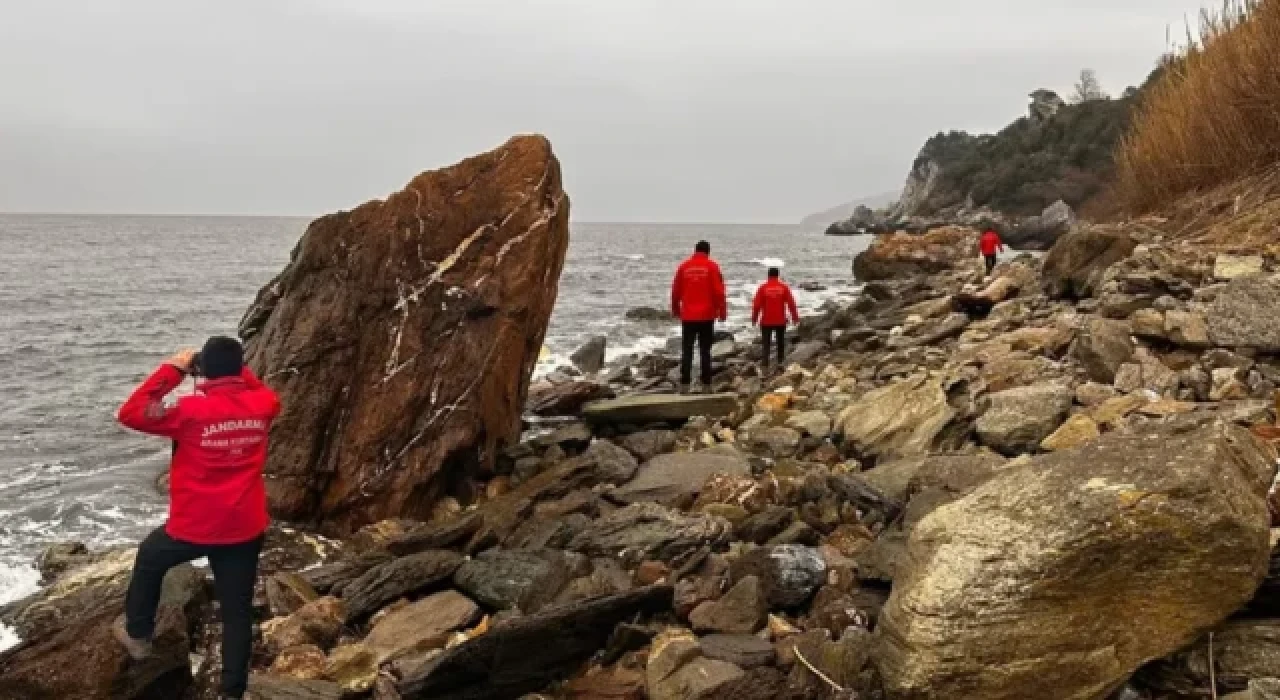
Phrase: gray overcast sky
(660,110)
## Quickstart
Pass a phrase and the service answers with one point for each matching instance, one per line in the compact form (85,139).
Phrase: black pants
(704,334)
(235,567)
(768,333)
(991,262)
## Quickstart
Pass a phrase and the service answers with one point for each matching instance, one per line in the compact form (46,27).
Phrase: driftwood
(980,303)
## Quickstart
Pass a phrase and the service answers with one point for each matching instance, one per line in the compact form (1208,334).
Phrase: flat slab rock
(669,478)
(266,686)
(659,408)
(386,582)
(527,653)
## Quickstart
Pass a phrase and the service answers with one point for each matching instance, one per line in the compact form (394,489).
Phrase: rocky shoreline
(1053,484)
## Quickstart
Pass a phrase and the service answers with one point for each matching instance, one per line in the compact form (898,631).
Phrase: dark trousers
(704,334)
(235,567)
(768,333)
(991,262)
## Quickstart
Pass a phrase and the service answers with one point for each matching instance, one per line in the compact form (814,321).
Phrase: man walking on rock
(217,499)
(990,244)
(698,300)
(770,310)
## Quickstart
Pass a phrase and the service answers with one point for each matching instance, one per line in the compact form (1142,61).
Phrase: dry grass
(1214,116)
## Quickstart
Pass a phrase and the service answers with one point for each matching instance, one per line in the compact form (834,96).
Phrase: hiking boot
(684,389)
(138,649)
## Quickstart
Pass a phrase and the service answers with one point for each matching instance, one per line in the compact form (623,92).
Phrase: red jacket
(990,243)
(216,493)
(773,301)
(697,292)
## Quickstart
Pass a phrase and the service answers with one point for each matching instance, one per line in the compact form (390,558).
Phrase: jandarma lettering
(229,425)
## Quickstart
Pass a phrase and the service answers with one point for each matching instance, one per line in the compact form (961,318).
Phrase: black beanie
(221,357)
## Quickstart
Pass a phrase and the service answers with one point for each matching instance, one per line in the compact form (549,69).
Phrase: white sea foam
(769,262)
(635,256)
(16,581)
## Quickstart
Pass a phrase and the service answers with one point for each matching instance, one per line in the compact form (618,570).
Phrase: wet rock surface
(408,353)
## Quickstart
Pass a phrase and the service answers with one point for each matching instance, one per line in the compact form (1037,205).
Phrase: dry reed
(1214,114)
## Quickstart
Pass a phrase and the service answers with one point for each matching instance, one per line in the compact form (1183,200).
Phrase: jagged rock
(590,357)
(305,663)
(566,399)
(1075,265)
(700,678)
(1186,329)
(900,420)
(1148,323)
(788,574)
(402,334)
(1019,419)
(1041,232)
(671,478)
(317,623)
(1229,267)
(354,667)
(1240,316)
(648,314)
(386,582)
(900,254)
(615,683)
(572,436)
(266,686)
(649,531)
(659,408)
(1227,385)
(778,442)
(741,611)
(843,661)
(421,626)
(649,444)
(765,525)
(332,577)
(69,652)
(288,591)
(515,656)
(527,579)
(435,535)
(742,650)
(60,557)
(1102,347)
(1078,430)
(1092,394)
(1060,577)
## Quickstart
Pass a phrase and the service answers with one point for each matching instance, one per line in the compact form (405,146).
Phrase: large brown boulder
(1075,265)
(402,334)
(1058,578)
(902,254)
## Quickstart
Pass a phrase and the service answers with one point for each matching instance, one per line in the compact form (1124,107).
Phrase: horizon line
(153,215)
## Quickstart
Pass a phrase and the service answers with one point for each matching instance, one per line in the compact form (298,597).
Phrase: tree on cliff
(1088,88)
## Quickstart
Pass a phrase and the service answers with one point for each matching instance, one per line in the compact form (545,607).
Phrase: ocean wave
(769,262)
(16,581)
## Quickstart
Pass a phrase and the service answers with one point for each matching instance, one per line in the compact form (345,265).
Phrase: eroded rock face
(402,334)
(902,254)
(1060,577)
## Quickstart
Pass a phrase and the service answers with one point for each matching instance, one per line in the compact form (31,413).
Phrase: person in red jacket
(990,244)
(698,300)
(770,310)
(217,499)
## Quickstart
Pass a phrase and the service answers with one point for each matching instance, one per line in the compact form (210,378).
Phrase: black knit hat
(221,357)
